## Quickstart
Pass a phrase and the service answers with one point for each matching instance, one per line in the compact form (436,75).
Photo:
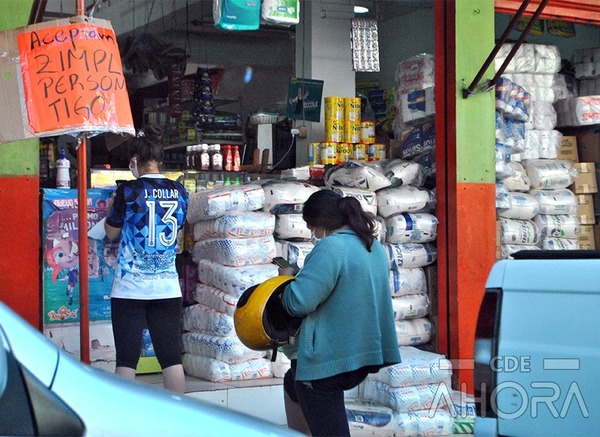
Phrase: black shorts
(162,317)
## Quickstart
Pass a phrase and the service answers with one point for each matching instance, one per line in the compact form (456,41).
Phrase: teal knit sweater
(343,294)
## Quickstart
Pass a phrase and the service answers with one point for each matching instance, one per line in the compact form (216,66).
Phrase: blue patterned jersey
(150,212)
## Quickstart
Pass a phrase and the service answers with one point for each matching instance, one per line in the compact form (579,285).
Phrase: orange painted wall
(19,246)
(471,260)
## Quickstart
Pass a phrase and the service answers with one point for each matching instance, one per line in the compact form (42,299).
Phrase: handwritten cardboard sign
(73,79)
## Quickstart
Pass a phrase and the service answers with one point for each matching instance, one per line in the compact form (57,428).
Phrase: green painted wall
(19,157)
(475,116)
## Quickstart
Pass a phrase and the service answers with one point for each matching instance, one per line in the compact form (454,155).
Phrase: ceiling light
(360,10)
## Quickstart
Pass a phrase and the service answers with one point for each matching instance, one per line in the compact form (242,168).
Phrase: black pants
(322,400)
(163,319)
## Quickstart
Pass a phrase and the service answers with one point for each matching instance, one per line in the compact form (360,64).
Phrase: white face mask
(134,170)
(313,237)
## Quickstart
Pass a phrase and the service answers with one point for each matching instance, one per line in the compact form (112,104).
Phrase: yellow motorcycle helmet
(261,323)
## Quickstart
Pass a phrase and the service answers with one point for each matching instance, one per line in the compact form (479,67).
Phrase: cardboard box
(567,149)
(588,144)
(587,240)
(585,209)
(585,183)
(596,235)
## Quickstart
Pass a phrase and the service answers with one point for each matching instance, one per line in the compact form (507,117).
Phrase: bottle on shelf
(227,153)
(217,158)
(237,162)
(204,157)
(63,177)
(189,158)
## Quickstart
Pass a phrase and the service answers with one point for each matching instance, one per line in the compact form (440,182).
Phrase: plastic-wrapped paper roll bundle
(550,243)
(578,111)
(407,399)
(367,199)
(550,174)
(236,252)
(518,181)
(543,117)
(201,318)
(291,227)
(507,250)
(294,251)
(234,280)
(401,172)
(216,298)
(465,413)
(549,143)
(238,225)
(410,255)
(405,281)
(210,204)
(414,332)
(559,201)
(523,206)
(356,175)
(214,370)
(417,368)
(519,231)
(227,349)
(411,306)
(334,119)
(411,228)
(290,192)
(404,199)
(367,418)
(558,226)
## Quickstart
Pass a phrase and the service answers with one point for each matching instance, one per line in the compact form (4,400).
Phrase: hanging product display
(365,45)
(236,14)
(286,12)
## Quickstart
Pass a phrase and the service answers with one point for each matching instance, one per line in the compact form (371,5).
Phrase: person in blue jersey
(343,295)
(146,215)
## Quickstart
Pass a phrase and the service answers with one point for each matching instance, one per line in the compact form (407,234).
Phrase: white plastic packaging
(404,199)
(410,255)
(519,231)
(405,281)
(548,174)
(558,226)
(560,201)
(523,206)
(411,228)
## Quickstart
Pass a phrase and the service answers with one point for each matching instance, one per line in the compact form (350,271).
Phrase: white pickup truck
(537,346)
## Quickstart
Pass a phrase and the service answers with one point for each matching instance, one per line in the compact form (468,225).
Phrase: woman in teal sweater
(343,295)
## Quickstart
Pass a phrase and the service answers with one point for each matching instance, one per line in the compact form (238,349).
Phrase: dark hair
(146,145)
(328,210)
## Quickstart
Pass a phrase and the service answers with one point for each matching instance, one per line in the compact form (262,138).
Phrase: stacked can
(352,126)
(334,119)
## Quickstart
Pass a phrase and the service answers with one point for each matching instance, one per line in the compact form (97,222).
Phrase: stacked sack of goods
(412,398)
(414,124)
(233,249)
(285,199)
(579,117)
(536,210)
(392,190)
(584,109)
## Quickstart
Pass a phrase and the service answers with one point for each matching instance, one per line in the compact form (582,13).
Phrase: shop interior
(250,75)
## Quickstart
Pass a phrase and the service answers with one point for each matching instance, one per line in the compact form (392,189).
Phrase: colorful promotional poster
(60,244)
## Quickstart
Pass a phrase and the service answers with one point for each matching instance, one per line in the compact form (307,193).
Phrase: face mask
(313,237)
(134,170)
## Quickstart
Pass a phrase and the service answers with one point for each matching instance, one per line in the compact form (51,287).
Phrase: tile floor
(260,397)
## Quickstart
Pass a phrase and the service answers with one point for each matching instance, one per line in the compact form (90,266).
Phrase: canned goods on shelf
(328,153)
(367,133)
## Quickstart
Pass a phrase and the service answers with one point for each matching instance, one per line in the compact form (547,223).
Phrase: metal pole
(84,311)
(511,25)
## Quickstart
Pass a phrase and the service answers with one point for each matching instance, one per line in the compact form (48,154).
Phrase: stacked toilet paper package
(583,109)
(233,248)
(413,398)
(392,191)
(414,123)
(536,210)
